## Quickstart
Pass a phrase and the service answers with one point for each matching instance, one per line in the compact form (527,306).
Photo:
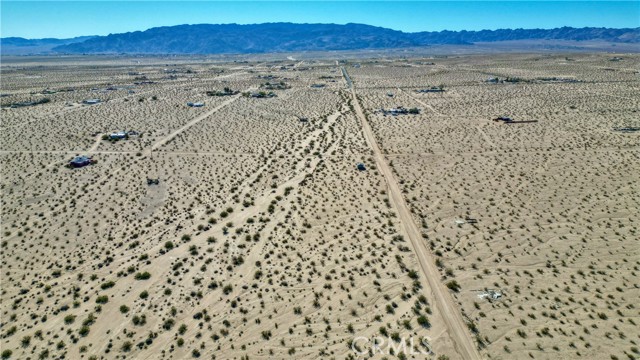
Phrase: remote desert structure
(238,230)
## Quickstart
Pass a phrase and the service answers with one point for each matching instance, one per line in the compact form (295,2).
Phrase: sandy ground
(262,240)
(450,315)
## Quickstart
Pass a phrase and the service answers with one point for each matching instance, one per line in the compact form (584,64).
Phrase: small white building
(490,294)
(118,135)
(91,101)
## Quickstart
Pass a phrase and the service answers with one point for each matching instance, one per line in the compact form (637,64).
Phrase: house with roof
(81,161)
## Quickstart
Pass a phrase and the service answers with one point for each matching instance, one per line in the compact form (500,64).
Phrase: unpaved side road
(457,329)
(196,120)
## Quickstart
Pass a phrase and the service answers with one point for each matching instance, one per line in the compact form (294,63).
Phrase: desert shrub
(84,331)
(383,331)
(139,320)
(168,324)
(143,276)
(12,330)
(413,274)
(25,341)
(473,327)
(107,285)
(453,285)
(126,346)
(424,321)
(182,329)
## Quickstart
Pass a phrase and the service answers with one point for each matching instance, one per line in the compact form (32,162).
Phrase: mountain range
(18,45)
(289,37)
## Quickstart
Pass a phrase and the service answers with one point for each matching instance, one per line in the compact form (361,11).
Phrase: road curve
(456,327)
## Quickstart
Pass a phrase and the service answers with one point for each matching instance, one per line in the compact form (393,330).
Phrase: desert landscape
(479,206)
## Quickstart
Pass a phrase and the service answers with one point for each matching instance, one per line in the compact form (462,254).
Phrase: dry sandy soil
(263,241)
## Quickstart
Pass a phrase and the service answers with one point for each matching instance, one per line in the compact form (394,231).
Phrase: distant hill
(563,33)
(287,37)
(21,46)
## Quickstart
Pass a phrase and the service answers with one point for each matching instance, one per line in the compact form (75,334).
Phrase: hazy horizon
(56,19)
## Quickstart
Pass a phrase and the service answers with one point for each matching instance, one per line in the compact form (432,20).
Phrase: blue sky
(37,19)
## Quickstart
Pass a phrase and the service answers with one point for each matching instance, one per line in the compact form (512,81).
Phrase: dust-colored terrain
(261,239)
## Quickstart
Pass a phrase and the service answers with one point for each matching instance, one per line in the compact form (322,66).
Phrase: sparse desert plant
(143,276)
(25,341)
(107,285)
(139,320)
(453,285)
(227,289)
(182,329)
(126,346)
(423,321)
(84,330)
(168,324)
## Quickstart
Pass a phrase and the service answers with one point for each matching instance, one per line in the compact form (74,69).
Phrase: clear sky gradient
(63,19)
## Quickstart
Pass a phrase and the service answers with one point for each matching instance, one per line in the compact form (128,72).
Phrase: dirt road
(196,120)
(420,101)
(456,326)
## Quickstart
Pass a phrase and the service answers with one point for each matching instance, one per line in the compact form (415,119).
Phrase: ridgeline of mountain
(287,37)
(563,33)
(233,38)
(18,45)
